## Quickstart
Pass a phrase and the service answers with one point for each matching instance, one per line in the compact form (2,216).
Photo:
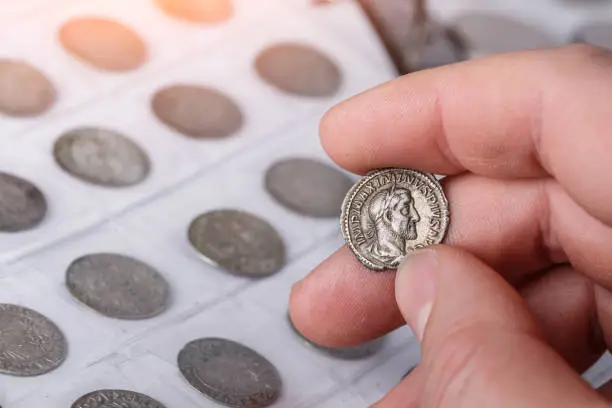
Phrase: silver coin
(102,157)
(118,286)
(196,111)
(202,11)
(238,242)
(596,33)
(24,90)
(391,212)
(30,344)
(22,205)
(103,43)
(116,399)
(308,186)
(359,352)
(230,373)
(299,69)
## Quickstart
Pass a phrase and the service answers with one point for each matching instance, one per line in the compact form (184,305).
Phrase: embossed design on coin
(391,212)
(308,186)
(299,69)
(343,353)
(198,112)
(22,205)
(203,11)
(238,242)
(118,286)
(230,373)
(30,344)
(116,399)
(102,157)
(103,43)
(24,90)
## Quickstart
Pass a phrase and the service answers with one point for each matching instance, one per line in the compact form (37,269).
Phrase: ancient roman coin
(22,205)
(101,156)
(118,286)
(197,111)
(299,69)
(24,90)
(103,43)
(116,398)
(30,344)
(201,11)
(596,33)
(308,186)
(391,212)
(238,242)
(359,352)
(230,373)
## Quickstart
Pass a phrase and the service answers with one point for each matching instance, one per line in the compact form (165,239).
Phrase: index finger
(525,114)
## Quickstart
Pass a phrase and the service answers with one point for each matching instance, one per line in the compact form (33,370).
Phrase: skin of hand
(518,301)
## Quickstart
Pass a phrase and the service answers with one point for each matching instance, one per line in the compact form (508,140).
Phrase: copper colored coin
(204,11)
(197,111)
(103,43)
(24,90)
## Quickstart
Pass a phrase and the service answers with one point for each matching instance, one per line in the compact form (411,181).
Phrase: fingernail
(415,288)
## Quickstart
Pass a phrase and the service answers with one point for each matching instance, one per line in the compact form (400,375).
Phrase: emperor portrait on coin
(391,212)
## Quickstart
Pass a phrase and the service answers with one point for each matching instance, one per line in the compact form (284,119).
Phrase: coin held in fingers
(392,212)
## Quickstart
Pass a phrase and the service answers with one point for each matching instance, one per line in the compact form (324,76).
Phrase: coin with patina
(230,373)
(24,90)
(102,157)
(196,111)
(391,212)
(359,352)
(118,286)
(308,186)
(198,11)
(30,344)
(22,205)
(299,69)
(116,399)
(238,242)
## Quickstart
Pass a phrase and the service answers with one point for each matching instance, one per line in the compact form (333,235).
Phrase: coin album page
(149,221)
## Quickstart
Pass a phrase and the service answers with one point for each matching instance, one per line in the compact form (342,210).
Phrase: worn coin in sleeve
(24,90)
(22,205)
(391,212)
(198,11)
(116,398)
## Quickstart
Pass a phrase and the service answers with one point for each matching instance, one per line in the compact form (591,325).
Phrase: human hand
(519,300)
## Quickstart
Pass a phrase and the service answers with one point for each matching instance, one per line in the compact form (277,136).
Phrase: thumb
(480,345)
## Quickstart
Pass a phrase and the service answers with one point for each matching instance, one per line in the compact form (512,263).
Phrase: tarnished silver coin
(308,186)
(30,344)
(118,286)
(299,69)
(24,90)
(101,156)
(391,212)
(595,33)
(343,353)
(198,112)
(22,205)
(201,11)
(116,399)
(103,43)
(230,373)
(238,242)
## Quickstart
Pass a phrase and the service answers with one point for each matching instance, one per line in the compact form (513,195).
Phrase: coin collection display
(161,189)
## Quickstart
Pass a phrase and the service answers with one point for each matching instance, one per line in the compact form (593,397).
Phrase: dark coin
(230,373)
(103,43)
(30,344)
(597,33)
(299,69)
(24,90)
(116,399)
(197,111)
(204,11)
(308,186)
(22,205)
(343,353)
(118,286)
(238,242)
(102,157)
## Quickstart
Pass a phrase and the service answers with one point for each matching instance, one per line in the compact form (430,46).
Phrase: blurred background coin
(202,11)
(24,90)
(116,398)
(22,205)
